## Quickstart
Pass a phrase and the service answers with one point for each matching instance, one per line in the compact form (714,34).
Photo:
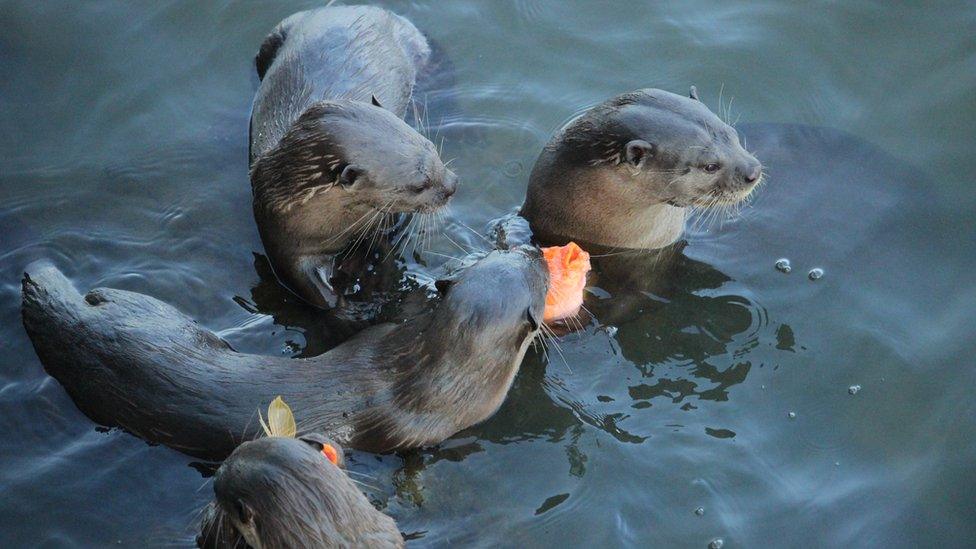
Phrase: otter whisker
(348,471)
(460,247)
(549,336)
(362,484)
(476,233)
(350,227)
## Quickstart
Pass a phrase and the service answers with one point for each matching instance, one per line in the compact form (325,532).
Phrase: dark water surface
(123,147)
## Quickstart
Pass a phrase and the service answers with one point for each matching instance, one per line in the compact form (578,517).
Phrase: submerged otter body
(625,173)
(282,492)
(132,361)
(332,161)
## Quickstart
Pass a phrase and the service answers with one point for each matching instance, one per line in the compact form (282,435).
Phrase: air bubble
(783,265)
(853,389)
(716,543)
(791,415)
(815,274)
(700,511)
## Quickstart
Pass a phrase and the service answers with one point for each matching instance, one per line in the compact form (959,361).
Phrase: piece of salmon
(568,266)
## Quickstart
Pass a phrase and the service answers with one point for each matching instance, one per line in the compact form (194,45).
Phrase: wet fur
(132,361)
(290,496)
(331,157)
(585,186)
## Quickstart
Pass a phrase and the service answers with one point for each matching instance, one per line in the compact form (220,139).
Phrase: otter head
(494,307)
(627,168)
(285,492)
(342,160)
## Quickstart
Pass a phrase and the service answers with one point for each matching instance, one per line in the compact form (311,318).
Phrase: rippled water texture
(708,379)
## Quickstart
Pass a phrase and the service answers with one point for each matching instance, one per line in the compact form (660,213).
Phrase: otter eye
(244,514)
(711,168)
(417,189)
(531,318)
(350,174)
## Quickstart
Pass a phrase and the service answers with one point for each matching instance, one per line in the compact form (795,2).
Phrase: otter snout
(751,172)
(450,184)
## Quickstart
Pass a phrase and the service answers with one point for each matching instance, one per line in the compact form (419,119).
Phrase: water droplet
(816,274)
(783,265)
(853,389)
(716,543)
(700,511)
(792,415)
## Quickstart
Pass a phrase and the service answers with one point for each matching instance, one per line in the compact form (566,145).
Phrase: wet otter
(132,361)
(282,492)
(331,158)
(625,173)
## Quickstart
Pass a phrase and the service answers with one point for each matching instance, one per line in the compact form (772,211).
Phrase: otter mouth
(724,197)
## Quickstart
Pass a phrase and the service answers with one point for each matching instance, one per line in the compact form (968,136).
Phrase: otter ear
(694,93)
(376,102)
(244,512)
(443,285)
(639,150)
(349,176)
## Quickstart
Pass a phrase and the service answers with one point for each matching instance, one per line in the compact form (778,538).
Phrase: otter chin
(625,173)
(283,492)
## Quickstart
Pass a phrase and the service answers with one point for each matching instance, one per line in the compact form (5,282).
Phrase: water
(124,161)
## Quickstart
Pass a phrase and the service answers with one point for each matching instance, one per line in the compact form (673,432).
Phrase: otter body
(332,161)
(625,173)
(132,361)
(282,492)
(353,53)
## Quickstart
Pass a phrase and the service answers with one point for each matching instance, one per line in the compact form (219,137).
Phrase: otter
(625,173)
(283,492)
(132,361)
(332,160)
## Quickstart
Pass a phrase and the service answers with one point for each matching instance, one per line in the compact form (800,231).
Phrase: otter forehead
(346,123)
(673,120)
(261,464)
(680,127)
(503,281)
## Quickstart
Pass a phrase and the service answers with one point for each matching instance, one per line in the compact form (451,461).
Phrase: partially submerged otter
(625,173)
(132,361)
(331,158)
(282,492)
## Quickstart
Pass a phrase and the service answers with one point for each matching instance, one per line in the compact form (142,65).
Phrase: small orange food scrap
(568,266)
(330,453)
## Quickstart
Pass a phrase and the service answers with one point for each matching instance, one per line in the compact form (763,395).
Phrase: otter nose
(450,183)
(753,173)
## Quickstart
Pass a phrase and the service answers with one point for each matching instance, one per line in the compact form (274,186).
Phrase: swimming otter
(282,492)
(331,158)
(625,173)
(132,361)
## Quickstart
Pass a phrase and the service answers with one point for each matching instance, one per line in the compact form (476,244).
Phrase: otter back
(355,52)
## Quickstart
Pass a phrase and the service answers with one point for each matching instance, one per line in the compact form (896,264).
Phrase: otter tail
(132,361)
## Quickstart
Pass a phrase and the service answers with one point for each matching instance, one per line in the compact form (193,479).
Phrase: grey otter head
(341,159)
(283,492)
(623,173)
(498,302)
